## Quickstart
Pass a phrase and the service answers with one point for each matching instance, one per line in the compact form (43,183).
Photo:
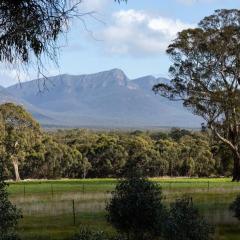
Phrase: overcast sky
(132,36)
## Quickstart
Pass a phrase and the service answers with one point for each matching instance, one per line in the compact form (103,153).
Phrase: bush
(136,209)
(9,236)
(86,234)
(185,223)
(235,207)
(9,214)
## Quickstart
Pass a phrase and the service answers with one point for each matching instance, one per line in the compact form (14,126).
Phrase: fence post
(83,188)
(52,190)
(24,190)
(74,214)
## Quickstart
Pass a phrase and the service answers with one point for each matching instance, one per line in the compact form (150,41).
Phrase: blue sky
(132,36)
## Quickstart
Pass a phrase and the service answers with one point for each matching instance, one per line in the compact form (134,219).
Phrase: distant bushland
(79,153)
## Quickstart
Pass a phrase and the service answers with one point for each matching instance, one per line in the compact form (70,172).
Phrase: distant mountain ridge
(107,99)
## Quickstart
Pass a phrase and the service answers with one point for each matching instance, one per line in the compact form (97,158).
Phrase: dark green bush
(235,207)
(86,234)
(136,209)
(9,236)
(185,223)
(9,214)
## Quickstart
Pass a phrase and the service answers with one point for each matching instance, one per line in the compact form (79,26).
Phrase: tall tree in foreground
(20,132)
(29,30)
(206,76)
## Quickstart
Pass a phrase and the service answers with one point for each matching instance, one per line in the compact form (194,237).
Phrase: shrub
(235,207)
(185,223)
(9,215)
(136,209)
(9,236)
(86,234)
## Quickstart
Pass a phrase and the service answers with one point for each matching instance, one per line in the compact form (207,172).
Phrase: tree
(185,223)
(30,29)
(9,215)
(20,131)
(196,156)
(136,208)
(143,158)
(73,164)
(169,151)
(206,76)
(177,133)
(223,157)
(107,156)
(235,207)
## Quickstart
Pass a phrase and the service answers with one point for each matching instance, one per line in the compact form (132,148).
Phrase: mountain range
(104,99)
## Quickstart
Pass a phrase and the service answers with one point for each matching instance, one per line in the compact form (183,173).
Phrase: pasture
(57,209)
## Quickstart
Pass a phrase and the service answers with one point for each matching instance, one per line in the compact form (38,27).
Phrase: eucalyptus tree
(20,132)
(170,152)
(30,30)
(107,156)
(9,214)
(206,76)
(143,158)
(196,157)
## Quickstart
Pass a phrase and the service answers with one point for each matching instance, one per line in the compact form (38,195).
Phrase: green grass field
(47,206)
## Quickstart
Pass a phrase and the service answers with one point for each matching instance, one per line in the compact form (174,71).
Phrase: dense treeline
(83,153)
(29,152)
(153,154)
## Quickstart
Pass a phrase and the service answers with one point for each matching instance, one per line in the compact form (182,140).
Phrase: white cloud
(167,27)
(140,33)
(10,74)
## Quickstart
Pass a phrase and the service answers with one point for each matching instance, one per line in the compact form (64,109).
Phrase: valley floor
(47,206)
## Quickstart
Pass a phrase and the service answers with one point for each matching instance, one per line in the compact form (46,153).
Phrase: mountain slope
(103,99)
(6,96)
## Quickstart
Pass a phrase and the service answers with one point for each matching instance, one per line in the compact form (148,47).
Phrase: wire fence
(76,200)
(55,188)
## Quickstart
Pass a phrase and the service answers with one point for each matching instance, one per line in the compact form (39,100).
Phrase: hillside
(107,98)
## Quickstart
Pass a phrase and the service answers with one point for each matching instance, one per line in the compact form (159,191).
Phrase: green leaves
(235,207)
(9,214)
(136,208)
(205,75)
(20,133)
(183,222)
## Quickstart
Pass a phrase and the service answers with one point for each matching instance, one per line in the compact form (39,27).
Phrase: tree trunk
(236,168)
(16,171)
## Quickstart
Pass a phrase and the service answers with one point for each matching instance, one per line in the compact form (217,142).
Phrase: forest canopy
(79,153)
